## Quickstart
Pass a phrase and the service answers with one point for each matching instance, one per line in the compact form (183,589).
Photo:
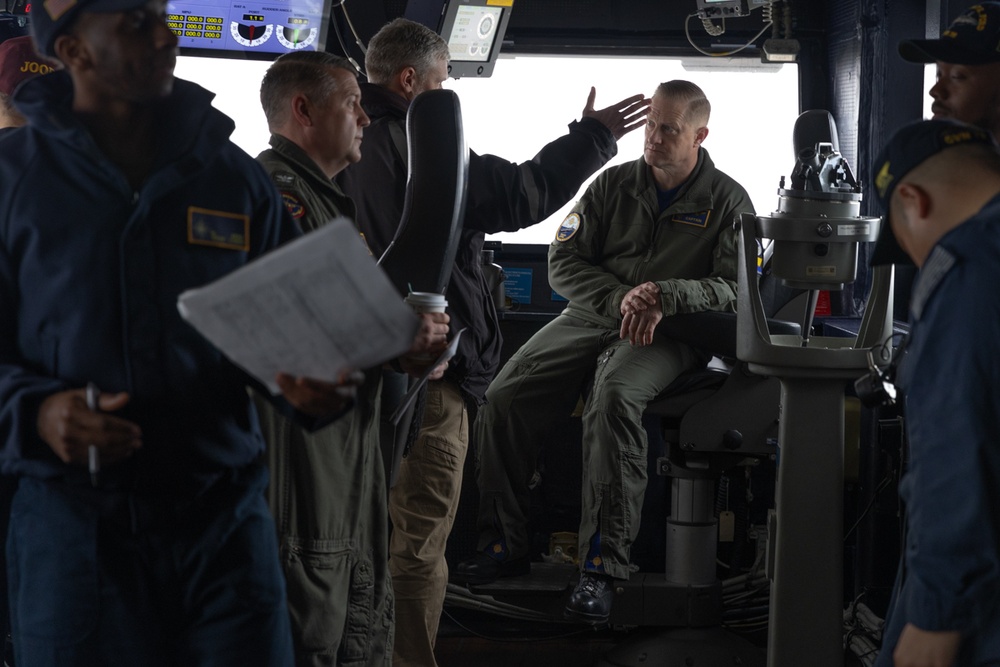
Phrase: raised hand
(622,117)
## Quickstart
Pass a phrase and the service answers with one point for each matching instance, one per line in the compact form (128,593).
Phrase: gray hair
(698,108)
(305,72)
(400,44)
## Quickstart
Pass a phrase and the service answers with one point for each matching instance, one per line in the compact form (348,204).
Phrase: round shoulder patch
(294,206)
(569,227)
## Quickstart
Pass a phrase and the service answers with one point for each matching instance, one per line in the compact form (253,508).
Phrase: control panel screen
(473,32)
(251,29)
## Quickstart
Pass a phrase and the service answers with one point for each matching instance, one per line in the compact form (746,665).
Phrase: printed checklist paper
(314,307)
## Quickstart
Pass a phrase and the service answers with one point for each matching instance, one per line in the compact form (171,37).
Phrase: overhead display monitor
(250,29)
(473,29)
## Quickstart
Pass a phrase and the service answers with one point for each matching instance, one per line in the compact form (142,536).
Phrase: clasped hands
(641,311)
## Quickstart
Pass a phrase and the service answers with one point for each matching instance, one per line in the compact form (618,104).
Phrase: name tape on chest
(218,229)
(699,219)
(569,227)
(294,205)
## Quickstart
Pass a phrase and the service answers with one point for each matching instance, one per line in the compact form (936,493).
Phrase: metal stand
(687,597)
(806,529)
(690,580)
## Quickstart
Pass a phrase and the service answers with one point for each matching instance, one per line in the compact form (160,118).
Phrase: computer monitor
(473,29)
(249,29)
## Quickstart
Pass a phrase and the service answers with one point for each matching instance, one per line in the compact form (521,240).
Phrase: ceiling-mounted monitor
(249,29)
(474,30)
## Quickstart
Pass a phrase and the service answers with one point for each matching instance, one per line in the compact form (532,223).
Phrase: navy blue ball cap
(973,38)
(906,150)
(50,18)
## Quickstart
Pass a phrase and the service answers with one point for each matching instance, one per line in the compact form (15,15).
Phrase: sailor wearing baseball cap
(51,18)
(939,183)
(909,148)
(968,67)
(18,62)
(973,38)
(123,190)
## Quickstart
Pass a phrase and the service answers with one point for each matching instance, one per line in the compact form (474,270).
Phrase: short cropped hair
(403,43)
(698,108)
(305,72)
(954,165)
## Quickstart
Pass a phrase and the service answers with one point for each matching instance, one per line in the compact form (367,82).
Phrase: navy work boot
(485,569)
(590,601)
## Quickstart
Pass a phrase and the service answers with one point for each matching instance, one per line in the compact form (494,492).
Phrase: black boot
(590,601)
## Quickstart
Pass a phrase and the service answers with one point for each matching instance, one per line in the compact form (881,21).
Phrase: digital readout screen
(273,26)
(473,32)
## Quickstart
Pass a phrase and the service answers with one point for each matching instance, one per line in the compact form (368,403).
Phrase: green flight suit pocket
(331,597)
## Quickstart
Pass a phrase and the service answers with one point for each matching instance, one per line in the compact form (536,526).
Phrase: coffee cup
(427,302)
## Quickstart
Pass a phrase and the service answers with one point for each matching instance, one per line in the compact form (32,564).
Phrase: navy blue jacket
(90,271)
(950,375)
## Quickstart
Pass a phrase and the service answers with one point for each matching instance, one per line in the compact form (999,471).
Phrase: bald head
(940,194)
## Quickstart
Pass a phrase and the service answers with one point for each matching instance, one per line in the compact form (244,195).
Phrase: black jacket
(502,197)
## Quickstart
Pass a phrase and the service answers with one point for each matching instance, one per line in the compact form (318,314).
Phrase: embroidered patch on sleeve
(699,219)
(295,207)
(218,229)
(569,227)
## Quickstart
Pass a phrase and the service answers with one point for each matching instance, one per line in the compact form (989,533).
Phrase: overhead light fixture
(780,50)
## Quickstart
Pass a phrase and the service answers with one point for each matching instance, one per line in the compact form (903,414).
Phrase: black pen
(93,457)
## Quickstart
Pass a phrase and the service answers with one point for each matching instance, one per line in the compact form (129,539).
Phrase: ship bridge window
(529,101)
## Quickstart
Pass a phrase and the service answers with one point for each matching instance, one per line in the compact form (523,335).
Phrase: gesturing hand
(622,117)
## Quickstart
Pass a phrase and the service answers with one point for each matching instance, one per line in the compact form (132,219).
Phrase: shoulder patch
(295,207)
(569,227)
(218,229)
(699,219)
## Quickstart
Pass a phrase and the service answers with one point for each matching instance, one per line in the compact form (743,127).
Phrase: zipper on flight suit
(641,264)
